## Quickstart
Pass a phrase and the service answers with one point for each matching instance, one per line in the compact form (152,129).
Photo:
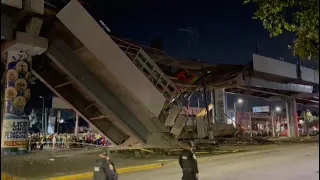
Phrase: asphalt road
(47,163)
(298,162)
(42,164)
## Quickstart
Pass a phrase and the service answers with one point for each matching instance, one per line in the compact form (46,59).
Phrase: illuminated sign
(261,109)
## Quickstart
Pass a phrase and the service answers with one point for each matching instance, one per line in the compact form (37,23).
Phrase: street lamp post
(239,101)
(273,115)
(272,124)
(42,117)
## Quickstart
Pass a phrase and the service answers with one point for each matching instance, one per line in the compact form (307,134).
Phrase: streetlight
(239,101)
(278,109)
(273,114)
(42,117)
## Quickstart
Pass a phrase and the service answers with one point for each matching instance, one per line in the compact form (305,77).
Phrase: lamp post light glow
(278,109)
(239,101)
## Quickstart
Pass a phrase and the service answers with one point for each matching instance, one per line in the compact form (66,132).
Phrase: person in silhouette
(188,163)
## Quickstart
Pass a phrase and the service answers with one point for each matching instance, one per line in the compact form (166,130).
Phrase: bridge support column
(220,105)
(15,122)
(292,116)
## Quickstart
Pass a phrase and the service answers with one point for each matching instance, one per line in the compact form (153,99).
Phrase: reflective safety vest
(98,137)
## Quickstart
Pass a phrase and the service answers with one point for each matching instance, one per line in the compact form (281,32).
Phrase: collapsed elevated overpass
(120,92)
(119,88)
(262,77)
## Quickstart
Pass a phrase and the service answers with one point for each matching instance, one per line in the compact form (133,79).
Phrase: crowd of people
(66,140)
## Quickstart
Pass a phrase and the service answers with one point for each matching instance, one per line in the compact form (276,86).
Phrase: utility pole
(206,103)
(192,34)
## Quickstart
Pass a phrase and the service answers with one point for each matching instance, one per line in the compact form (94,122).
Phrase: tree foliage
(297,16)
(309,116)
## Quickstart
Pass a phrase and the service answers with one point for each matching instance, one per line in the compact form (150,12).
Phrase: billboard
(261,109)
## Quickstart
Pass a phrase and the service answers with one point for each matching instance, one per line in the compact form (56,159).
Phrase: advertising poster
(15,134)
(15,125)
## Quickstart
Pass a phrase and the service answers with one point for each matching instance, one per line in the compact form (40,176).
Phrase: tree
(297,16)
(310,120)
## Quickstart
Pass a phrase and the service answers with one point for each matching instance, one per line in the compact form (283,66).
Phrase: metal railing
(150,69)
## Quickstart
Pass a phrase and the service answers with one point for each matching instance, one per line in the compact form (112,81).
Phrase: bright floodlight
(240,101)
(61,121)
(278,109)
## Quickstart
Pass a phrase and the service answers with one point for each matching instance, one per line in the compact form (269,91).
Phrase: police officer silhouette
(188,163)
(104,168)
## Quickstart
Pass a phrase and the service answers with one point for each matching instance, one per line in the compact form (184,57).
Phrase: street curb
(119,171)
(6,176)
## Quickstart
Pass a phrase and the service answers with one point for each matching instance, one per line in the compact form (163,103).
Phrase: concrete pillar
(51,121)
(287,117)
(292,117)
(15,125)
(220,105)
(58,119)
(46,120)
(213,107)
(201,127)
(15,122)
(76,128)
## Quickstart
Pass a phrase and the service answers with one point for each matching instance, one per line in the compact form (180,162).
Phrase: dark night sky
(226,31)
